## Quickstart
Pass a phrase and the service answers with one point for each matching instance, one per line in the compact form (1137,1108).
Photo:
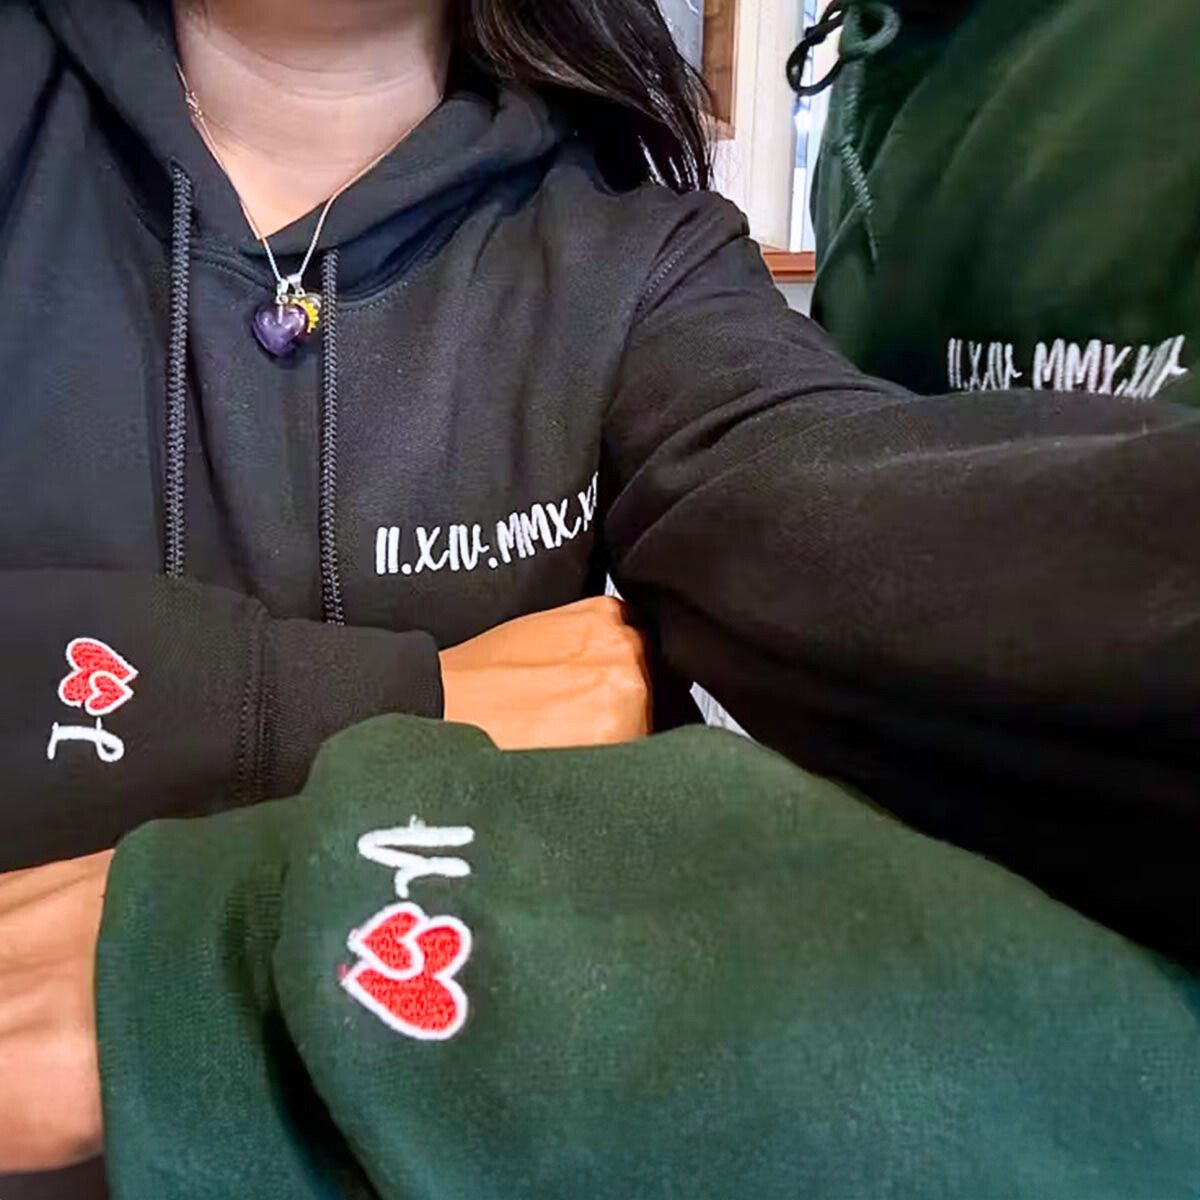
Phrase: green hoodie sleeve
(981,610)
(677,968)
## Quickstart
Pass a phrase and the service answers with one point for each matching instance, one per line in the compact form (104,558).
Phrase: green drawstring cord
(854,18)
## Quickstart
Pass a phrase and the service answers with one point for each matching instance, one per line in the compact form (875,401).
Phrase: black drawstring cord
(857,46)
(175,473)
(331,581)
(814,36)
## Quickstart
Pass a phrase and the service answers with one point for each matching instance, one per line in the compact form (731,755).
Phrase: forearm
(982,610)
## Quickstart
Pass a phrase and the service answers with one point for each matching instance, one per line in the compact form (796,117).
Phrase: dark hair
(614,66)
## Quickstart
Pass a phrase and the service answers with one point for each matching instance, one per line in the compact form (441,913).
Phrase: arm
(131,697)
(659,969)
(983,610)
(128,697)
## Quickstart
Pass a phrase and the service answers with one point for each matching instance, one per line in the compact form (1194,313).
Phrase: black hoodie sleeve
(982,609)
(130,697)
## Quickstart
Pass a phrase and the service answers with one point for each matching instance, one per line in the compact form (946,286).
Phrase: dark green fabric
(1034,174)
(697,972)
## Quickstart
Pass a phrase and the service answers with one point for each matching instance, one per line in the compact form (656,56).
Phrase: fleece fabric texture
(1034,175)
(542,373)
(693,971)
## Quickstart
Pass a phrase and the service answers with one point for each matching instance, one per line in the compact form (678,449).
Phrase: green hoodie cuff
(205,1092)
(187,1023)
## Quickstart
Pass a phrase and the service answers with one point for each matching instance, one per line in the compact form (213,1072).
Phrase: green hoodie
(1032,188)
(678,969)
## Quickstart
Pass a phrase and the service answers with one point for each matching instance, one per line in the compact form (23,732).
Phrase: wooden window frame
(787,267)
(720,62)
(722,35)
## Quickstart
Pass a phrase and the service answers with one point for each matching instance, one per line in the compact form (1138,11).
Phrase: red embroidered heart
(406,972)
(99,683)
(386,941)
(107,695)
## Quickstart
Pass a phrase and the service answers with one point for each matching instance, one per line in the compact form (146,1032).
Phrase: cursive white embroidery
(109,747)
(394,848)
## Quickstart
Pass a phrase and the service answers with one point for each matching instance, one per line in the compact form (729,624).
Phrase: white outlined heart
(394,981)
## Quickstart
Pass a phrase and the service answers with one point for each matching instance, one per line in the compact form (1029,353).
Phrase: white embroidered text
(462,547)
(1137,371)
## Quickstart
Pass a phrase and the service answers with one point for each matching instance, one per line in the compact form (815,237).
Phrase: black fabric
(81,1183)
(175,482)
(949,602)
(228,706)
(901,621)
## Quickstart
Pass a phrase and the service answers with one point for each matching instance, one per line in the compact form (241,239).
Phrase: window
(686,19)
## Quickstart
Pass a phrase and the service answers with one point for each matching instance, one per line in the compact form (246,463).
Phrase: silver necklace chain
(285,285)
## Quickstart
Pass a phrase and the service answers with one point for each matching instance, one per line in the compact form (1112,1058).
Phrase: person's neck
(300,95)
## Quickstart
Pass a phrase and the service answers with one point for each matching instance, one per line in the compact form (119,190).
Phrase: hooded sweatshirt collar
(126,48)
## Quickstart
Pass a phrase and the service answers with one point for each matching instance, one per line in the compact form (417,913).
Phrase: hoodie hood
(135,281)
(409,203)
(126,48)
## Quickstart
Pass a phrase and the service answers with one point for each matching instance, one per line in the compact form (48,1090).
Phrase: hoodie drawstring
(331,579)
(175,474)
(856,48)
(175,437)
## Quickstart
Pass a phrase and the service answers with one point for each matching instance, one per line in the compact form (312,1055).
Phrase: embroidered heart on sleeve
(99,680)
(384,943)
(406,969)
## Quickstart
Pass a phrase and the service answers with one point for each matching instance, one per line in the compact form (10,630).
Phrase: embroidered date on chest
(471,547)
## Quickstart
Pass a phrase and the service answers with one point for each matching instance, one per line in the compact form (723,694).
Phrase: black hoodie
(983,610)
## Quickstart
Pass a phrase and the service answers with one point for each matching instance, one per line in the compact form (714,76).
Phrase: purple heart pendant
(280,328)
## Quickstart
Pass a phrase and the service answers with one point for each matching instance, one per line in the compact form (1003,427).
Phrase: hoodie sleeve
(982,609)
(128,697)
(672,968)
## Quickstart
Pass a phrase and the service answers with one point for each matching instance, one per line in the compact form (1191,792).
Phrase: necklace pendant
(284,324)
